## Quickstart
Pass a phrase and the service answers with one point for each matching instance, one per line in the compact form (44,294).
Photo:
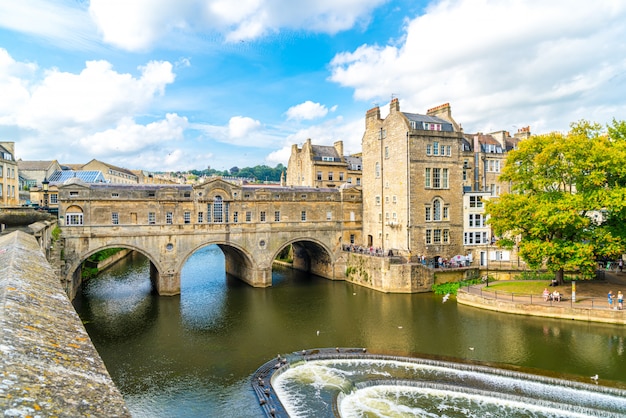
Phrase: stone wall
(49,366)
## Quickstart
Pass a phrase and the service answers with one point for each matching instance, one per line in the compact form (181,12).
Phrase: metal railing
(530,299)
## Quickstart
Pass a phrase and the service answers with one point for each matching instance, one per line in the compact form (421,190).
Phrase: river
(192,355)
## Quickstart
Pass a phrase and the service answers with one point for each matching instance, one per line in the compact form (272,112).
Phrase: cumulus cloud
(519,63)
(95,97)
(89,114)
(128,137)
(240,131)
(139,24)
(307,111)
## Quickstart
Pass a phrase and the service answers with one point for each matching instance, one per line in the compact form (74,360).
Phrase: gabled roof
(34,165)
(112,167)
(325,151)
(421,119)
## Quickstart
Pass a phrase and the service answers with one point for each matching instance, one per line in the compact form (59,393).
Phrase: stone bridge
(251,224)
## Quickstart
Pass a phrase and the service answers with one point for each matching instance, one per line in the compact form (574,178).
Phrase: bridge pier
(165,284)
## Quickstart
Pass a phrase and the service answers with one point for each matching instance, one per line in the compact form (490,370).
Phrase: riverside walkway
(590,304)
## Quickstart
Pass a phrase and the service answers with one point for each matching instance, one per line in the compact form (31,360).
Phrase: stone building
(9,177)
(425,182)
(412,178)
(322,166)
(111,173)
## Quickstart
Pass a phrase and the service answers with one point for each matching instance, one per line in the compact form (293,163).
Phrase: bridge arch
(238,260)
(73,264)
(311,255)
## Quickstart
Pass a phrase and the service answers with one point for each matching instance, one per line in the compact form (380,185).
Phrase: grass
(524,287)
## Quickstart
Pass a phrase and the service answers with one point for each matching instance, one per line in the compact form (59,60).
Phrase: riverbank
(590,303)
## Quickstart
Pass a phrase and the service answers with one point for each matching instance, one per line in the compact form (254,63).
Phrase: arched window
(218,210)
(437,210)
(73,216)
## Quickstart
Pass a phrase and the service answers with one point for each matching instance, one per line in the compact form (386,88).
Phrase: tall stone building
(413,182)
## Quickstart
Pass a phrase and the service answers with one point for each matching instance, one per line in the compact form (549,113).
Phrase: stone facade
(322,166)
(422,177)
(251,223)
(9,178)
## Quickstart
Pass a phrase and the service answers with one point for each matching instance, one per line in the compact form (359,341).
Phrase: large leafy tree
(568,202)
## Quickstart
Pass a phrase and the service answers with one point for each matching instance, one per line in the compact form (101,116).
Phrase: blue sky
(183,84)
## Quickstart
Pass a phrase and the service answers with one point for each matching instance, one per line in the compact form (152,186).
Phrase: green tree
(568,200)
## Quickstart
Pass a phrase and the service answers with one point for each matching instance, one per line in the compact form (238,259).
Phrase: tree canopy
(568,202)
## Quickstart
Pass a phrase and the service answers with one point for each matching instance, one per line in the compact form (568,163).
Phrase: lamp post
(45,186)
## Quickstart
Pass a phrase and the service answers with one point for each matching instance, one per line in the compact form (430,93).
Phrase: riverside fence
(530,299)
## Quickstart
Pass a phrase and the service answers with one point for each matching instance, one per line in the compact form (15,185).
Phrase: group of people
(554,296)
(619,298)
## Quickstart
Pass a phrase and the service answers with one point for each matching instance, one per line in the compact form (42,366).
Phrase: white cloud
(241,131)
(326,133)
(307,111)
(139,24)
(240,127)
(91,99)
(129,137)
(533,62)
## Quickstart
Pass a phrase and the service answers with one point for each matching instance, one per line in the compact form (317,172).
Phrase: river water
(193,355)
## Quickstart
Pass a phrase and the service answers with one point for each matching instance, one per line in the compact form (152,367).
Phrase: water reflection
(193,355)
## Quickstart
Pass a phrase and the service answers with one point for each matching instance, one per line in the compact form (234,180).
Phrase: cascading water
(379,386)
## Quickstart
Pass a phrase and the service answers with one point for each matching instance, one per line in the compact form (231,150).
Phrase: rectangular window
(341,176)
(115,195)
(115,218)
(73,194)
(74,219)
(351,238)
(446,236)
(262,216)
(277,216)
(209,207)
(319,176)
(358,181)
(444,178)
(429,236)
(427,218)
(446,209)
(352,217)
(303,216)
(330,176)
(200,217)
(427,177)
(435,148)
(437,236)
(329,216)
(151,218)
(235,217)
(377,200)
(476,201)
(187,217)
(428,152)
(436,178)
(169,218)
(386,152)
(248,216)
(54,198)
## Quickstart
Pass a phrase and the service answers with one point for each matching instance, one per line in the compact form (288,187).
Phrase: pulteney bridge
(251,224)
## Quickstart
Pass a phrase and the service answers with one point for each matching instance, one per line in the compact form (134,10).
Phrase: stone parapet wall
(49,366)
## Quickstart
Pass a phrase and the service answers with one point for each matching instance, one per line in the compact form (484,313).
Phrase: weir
(344,382)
